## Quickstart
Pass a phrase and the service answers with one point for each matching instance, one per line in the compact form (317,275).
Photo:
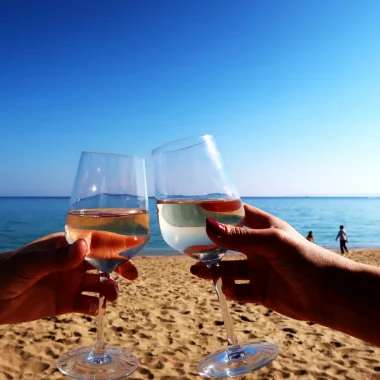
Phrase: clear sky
(290,89)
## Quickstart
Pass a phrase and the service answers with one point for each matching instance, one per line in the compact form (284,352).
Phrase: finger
(235,269)
(200,270)
(92,283)
(259,219)
(87,305)
(261,241)
(108,245)
(239,292)
(128,271)
(52,241)
(42,262)
(86,266)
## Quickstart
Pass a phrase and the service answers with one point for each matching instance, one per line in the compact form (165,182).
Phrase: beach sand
(170,320)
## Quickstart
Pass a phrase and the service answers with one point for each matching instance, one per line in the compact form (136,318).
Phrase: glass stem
(99,346)
(232,339)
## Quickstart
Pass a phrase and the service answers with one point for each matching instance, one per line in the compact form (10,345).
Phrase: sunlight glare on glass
(215,155)
(228,191)
(94,188)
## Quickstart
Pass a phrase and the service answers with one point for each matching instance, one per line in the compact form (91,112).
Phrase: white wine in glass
(192,184)
(109,210)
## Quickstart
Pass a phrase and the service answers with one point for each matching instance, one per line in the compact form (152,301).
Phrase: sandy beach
(170,320)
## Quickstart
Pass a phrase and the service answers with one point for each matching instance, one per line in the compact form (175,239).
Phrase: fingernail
(215,227)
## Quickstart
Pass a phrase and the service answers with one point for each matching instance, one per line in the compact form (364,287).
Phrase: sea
(24,219)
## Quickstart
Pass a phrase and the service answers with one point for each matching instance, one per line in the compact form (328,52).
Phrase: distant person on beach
(310,237)
(304,281)
(47,277)
(343,238)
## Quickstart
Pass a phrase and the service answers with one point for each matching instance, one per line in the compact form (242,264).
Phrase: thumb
(239,239)
(41,262)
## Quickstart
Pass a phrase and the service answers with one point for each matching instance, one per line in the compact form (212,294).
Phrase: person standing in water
(310,237)
(343,238)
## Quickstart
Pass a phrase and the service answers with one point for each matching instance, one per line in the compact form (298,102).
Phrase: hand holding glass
(108,209)
(192,183)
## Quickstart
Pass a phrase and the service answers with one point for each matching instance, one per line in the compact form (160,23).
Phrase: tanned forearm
(351,300)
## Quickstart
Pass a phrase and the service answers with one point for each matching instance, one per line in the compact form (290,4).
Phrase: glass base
(81,364)
(238,360)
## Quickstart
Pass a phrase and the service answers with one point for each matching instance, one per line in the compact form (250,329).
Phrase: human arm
(47,277)
(295,278)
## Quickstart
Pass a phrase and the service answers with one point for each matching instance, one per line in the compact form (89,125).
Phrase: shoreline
(153,252)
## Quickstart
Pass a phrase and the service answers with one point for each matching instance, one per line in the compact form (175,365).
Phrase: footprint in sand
(145,371)
(290,330)
(36,366)
(50,353)
(371,361)
(132,331)
(300,372)
(337,344)
(300,361)
(160,365)
(144,336)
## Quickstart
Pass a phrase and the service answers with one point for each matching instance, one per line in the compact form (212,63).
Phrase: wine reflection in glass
(192,183)
(109,210)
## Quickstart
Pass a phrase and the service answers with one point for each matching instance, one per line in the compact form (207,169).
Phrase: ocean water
(23,220)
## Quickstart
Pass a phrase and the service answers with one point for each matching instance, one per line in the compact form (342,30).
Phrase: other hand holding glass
(108,209)
(192,183)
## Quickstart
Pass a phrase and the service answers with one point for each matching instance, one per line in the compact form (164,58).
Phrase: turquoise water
(25,219)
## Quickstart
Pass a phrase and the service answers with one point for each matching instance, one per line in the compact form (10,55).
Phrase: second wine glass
(192,183)
(109,210)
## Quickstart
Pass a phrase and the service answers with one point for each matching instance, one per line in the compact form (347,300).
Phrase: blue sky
(290,89)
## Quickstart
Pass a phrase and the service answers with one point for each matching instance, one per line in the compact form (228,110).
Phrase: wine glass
(192,183)
(108,209)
